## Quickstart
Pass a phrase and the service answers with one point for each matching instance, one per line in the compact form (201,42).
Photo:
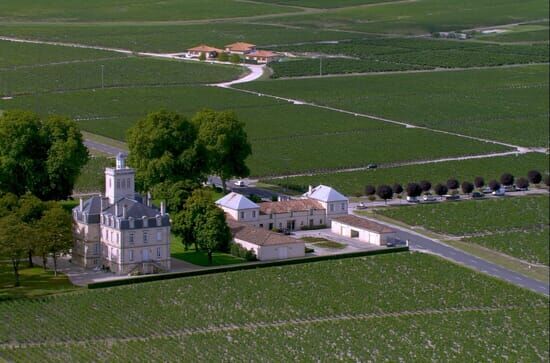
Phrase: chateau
(121,231)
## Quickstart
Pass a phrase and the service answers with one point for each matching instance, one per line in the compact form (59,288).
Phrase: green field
(515,226)
(509,105)
(181,319)
(285,138)
(426,16)
(123,72)
(353,183)
(529,245)
(394,54)
(325,4)
(525,36)
(123,10)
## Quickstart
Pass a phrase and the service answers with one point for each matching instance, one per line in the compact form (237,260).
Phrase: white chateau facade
(316,208)
(121,230)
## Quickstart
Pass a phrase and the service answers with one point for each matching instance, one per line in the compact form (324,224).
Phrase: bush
(234,58)
(467,187)
(254,198)
(308,228)
(507,179)
(452,184)
(413,190)
(370,190)
(534,176)
(397,189)
(522,183)
(479,182)
(239,251)
(223,57)
(425,185)
(202,57)
(440,189)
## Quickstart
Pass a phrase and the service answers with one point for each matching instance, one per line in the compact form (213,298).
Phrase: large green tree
(164,150)
(14,239)
(39,156)
(30,211)
(55,229)
(185,221)
(212,233)
(226,143)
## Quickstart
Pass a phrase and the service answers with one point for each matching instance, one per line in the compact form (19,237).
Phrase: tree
(384,192)
(534,176)
(546,180)
(413,190)
(235,58)
(507,179)
(370,190)
(202,57)
(164,149)
(55,229)
(13,242)
(467,187)
(425,186)
(175,193)
(184,222)
(440,189)
(223,57)
(42,157)
(494,185)
(453,184)
(522,183)
(254,198)
(226,143)
(30,211)
(479,182)
(212,233)
(397,188)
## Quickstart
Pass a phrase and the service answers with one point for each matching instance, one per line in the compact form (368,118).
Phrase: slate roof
(91,206)
(363,223)
(325,194)
(135,209)
(292,205)
(259,236)
(236,201)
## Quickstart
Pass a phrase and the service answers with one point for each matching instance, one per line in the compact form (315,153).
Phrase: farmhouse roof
(262,53)
(236,201)
(363,223)
(293,205)
(258,236)
(325,194)
(240,46)
(204,48)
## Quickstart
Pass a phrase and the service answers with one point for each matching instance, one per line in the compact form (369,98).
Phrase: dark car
(390,244)
(372,166)
(477,195)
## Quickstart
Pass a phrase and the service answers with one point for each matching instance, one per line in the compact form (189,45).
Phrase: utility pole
(320,66)
(102,73)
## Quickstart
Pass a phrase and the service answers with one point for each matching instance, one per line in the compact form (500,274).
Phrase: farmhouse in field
(121,231)
(316,208)
(266,245)
(208,51)
(240,48)
(363,229)
(262,56)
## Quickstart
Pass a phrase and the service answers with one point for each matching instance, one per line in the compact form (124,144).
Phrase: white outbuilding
(362,229)
(266,245)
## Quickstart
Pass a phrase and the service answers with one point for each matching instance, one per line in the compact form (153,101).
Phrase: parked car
(429,198)
(240,183)
(522,189)
(487,190)
(412,199)
(499,193)
(477,195)
(509,188)
(390,244)
(372,166)
(452,197)
(362,205)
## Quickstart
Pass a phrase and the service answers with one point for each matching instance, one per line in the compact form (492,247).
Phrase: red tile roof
(259,236)
(204,48)
(240,46)
(293,205)
(262,54)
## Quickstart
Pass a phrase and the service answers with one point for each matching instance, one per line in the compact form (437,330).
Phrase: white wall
(267,253)
(365,235)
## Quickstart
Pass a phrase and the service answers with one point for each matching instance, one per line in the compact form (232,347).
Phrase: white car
(428,198)
(500,192)
(412,199)
(240,183)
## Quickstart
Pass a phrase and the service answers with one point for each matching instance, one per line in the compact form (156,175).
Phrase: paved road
(107,149)
(424,244)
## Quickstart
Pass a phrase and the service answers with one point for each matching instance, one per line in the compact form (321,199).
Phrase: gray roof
(92,205)
(325,194)
(135,209)
(236,202)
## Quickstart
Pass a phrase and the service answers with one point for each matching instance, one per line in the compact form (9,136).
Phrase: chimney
(116,209)
(124,211)
(81,205)
(148,200)
(162,208)
(310,189)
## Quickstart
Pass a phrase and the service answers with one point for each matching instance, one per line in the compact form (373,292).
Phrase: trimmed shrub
(534,176)
(453,184)
(413,190)
(507,179)
(441,189)
(370,190)
(467,187)
(494,185)
(425,186)
(397,188)
(522,183)
(479,182)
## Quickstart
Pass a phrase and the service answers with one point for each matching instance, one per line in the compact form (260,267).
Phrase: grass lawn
(323,242)
(200,258)
(35,282)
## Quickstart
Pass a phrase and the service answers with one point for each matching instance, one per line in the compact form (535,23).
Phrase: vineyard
(376,55)
(514,226)
(353,183)
(405,300)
